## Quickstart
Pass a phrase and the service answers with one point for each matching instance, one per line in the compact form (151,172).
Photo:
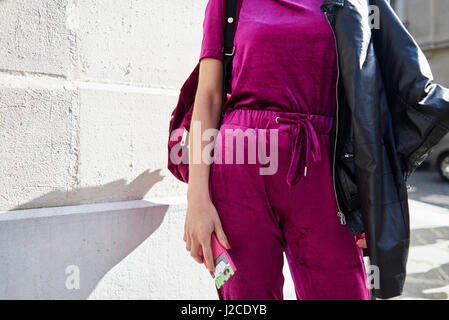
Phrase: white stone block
(123,146)
(38,146)
(156,43)
(34,37)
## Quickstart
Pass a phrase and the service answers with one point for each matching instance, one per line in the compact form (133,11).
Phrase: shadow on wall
(135,190)
(41,248)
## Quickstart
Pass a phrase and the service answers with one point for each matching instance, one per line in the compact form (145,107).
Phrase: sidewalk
(428,264)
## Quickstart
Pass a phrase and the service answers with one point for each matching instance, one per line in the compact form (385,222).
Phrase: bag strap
(231,19)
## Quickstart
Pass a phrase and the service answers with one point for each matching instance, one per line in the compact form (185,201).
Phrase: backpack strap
(231,19)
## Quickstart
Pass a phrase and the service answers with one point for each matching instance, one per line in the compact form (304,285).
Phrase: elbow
(209,99)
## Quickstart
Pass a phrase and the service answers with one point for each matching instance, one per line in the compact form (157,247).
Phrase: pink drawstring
(303,143)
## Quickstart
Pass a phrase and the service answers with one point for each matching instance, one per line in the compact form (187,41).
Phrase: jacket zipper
(347,155)
(339,213)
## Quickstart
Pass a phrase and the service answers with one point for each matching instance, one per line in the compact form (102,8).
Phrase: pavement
(428,263)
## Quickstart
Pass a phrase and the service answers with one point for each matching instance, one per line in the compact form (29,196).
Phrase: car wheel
(443,166)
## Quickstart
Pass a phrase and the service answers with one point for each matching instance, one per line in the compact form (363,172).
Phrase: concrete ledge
(37,213)
(117,250)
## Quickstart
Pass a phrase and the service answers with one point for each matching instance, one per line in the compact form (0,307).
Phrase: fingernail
(228,246)
(211,272)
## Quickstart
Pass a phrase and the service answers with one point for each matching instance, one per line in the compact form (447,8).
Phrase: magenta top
(285,56)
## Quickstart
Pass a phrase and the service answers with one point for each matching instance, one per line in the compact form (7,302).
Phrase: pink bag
(182,114)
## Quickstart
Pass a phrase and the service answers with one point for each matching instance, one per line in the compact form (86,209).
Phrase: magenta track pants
(292,210)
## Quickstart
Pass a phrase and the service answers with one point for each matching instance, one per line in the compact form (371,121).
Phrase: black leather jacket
(390,114)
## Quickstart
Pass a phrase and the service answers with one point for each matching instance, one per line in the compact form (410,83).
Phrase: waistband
(266,119)
(303,128)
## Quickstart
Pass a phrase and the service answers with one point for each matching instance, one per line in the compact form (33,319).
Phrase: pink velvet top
(285,56)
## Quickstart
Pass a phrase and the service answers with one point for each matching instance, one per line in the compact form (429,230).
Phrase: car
(438,158)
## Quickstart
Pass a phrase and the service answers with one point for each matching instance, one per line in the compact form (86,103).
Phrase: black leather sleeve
(419,106)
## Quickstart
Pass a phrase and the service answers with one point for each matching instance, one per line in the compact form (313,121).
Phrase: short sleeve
(213,31)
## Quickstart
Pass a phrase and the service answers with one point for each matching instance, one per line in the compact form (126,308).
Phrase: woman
(284,78)
(365,122)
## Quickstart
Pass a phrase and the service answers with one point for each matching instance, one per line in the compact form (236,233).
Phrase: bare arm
(202,218)
(207,109)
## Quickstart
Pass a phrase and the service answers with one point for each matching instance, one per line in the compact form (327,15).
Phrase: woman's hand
(361,241)
(201,220)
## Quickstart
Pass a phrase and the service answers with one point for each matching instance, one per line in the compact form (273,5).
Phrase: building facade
(427,21)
